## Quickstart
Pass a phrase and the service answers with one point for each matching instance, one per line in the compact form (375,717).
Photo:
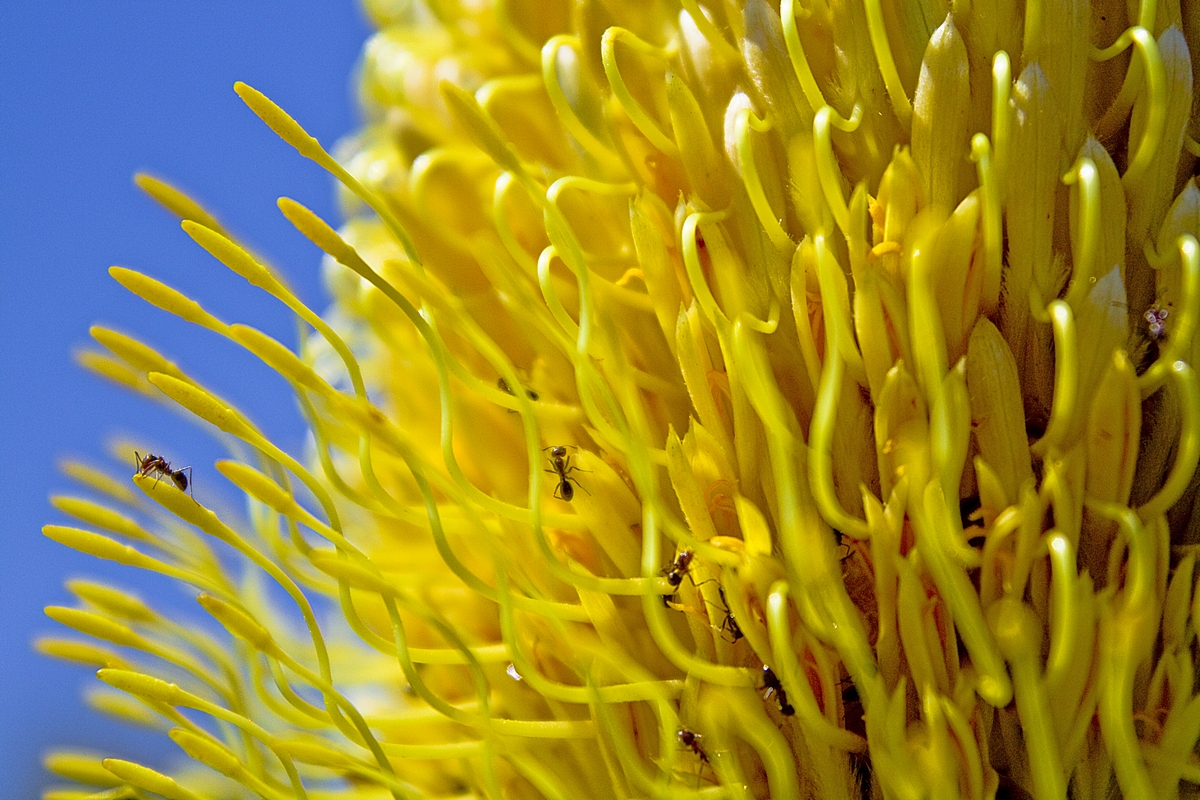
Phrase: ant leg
(577,483)
(190,481)
(568,467)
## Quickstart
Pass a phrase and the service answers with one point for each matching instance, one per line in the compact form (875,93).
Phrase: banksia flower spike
(717,400)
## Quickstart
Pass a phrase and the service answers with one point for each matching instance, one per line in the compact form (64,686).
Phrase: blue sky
(91,92)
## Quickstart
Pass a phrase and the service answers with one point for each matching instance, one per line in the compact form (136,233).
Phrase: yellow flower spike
(291,132)
(79,652)
(244,627)
(870,327)
(1102,327)
(113,370)
(901,105)
(804,74)
(485,579)
(99,627)
(978,784)
(691,260)
(921,664)
(751,723)
(901,434)
(932,531)
(164,297)
(1151,68)
(203,405)
(990,224)
(933,755)
(567,325)
(939,121)
(260,487)
(102,517)
(241,625)
(154,690)
(744,122)
(215,755)
(794,680)
(125,708)
(827,169)
(192,551)
(637,114)
(1180,733)
(108,549)
(1113,433)
(98,481)
(138,355)
(241,262)
(1002,114)
(1188,453)
(950,425)
(80,767)
(176,201)
(804,268)
(112,600)
(661,630)
(1029,216)
(593,135)
(521,107)
(706,171)
(1151,191)
(997,419)
(1018,632)
(1183,332)
(192,512)
(1064,413)
(1085,226)
(1110,227)
(147,779)
(694,15)
(279,358)
(208,408)
(825,413)
(1064,611)
(687,490)
(769,69)
(1175,608)
(885,524)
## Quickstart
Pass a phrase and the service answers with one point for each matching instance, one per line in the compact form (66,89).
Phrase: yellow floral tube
(719,399)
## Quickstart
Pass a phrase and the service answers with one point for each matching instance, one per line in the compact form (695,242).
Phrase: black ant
(729,624)
(678,568)
(530,393)
(563,469)
(774,687)
(159,466)
(691,739)
(674,573)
